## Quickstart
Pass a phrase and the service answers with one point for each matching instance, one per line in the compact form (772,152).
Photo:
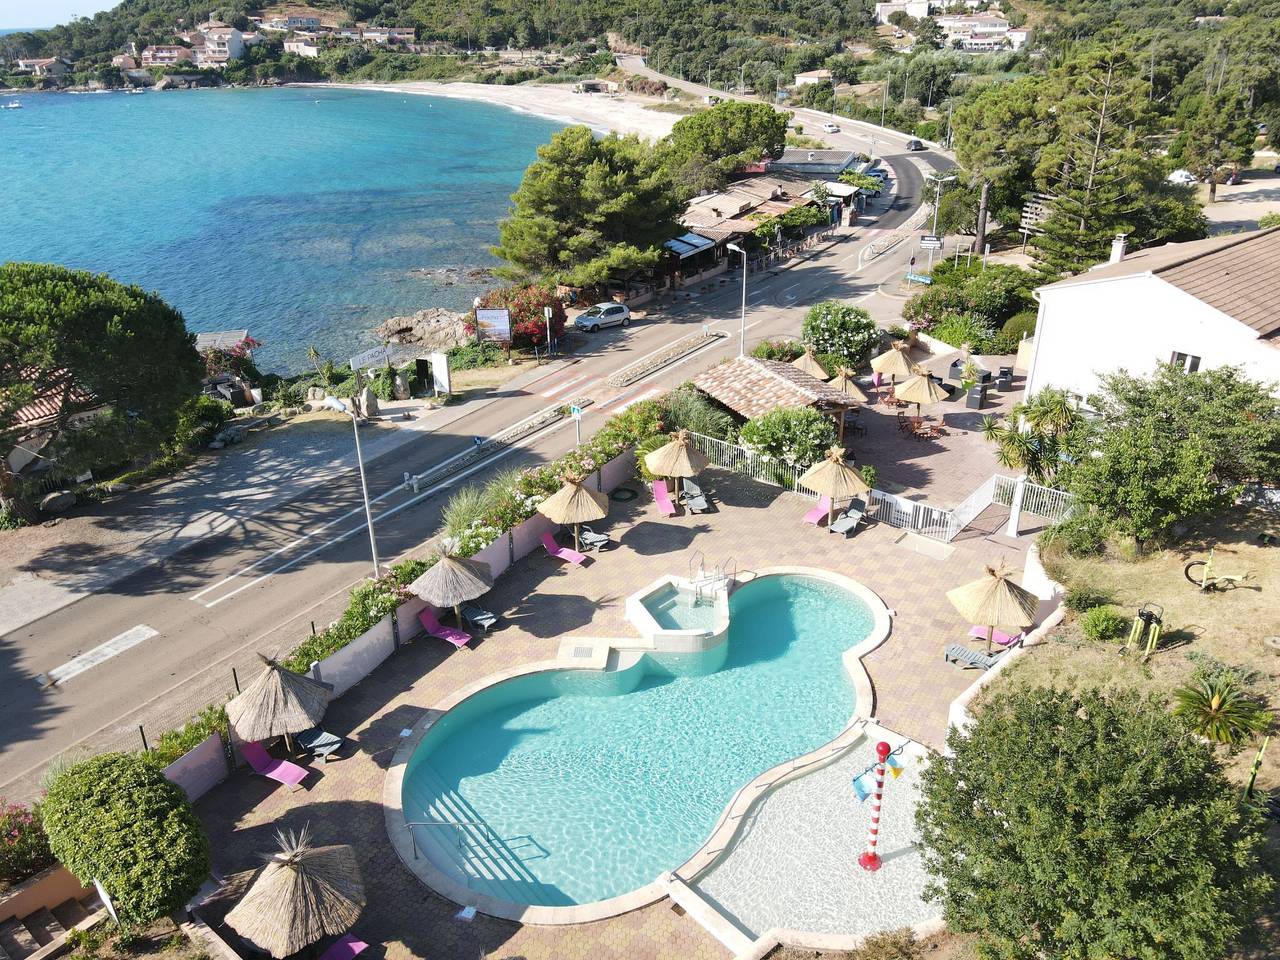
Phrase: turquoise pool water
(675,609)
(589,784)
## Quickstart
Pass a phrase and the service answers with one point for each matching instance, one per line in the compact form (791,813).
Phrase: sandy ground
(623,114)
(1239,206)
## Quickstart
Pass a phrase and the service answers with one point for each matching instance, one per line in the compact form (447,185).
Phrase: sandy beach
(622,114)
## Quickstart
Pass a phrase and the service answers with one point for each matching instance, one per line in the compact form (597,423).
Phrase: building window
(1188,362)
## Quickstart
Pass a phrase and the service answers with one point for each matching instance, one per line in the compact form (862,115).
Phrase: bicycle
(1200,574)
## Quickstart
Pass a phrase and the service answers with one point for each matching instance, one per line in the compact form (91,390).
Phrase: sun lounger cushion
(478,617)
(1003,639)
(435,628)
(815,515)
(663,498)
(319,743)
(959,653)
(592,540)
(562,553)
(345,948)
(846,522)
(281,771)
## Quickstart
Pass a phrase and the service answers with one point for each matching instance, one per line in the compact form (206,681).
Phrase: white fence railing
(936,523)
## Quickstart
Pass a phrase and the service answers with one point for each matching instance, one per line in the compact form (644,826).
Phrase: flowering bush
(526,304)
(236,360)
(24,848)
(832,327)
(784,350)
(795,437)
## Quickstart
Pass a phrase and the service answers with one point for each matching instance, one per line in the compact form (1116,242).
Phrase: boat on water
(13,105)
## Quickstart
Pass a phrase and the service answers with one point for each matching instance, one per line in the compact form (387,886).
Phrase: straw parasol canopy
(451,581)
(678,458)
(894,362)
(303,894)
(278,702)
(995,600)
(845,383)
(810,365)
(834,478)
(573,503)
(920,389)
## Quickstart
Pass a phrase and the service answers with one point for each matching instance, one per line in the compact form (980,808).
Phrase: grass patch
(684,109)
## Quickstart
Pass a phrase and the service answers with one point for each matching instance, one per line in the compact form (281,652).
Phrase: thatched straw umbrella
(844,382)
(574,503)
(677,458)
(894,362)
(810,365)
(920,389)
(451,581)
(278,702)
(303,894)
(834,478)
(995,600)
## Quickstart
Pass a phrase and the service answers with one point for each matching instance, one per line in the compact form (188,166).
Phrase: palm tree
(1215,708)
(1034,435)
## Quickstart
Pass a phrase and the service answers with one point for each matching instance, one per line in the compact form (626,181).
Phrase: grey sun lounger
(694,499)
(478,616)
(592,540)
(959,653)
(848,520)
(319,743)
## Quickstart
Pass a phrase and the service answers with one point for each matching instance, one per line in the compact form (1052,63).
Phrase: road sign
(919,278)
(576,412)
(930,242)
(478,441)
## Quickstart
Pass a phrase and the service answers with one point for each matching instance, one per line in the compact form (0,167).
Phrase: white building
(812,76)
(981,32)
(915,9)
(222,44)
(302,46)
(1204,304)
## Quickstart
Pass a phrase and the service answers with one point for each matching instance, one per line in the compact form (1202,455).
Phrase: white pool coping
(726,827)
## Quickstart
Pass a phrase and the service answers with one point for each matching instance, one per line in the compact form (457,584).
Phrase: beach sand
(622,114)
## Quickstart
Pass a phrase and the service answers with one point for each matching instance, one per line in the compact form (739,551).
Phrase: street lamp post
(333,403)
(742,336)
(937,200)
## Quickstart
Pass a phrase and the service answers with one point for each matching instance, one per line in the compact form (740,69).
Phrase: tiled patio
(541,601)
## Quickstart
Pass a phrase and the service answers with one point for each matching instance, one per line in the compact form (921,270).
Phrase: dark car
(915,145)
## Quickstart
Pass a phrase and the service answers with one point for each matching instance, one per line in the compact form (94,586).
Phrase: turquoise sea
(304,215)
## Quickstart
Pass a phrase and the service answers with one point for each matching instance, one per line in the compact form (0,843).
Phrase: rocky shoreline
(433,328)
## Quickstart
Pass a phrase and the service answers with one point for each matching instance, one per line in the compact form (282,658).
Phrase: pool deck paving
(540,601)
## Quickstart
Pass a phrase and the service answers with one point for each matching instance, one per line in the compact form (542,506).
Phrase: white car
(1183,178)
(830,127)
(603,315)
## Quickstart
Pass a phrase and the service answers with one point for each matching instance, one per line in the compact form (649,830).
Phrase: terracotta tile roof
(750,387)
(49,403)
(1238,274)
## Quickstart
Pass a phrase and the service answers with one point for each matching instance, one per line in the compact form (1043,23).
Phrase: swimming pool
(576,786)
(676,609)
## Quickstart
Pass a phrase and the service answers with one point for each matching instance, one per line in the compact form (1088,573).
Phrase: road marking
(560,388)
(99,654)
(634,400)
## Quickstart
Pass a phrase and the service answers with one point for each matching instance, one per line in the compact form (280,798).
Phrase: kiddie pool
(565,787)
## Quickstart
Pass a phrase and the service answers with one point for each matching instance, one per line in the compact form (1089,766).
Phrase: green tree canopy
(90,342)
(722,139)
(588,210)
(115,818)
(1084,825)
(1219,133)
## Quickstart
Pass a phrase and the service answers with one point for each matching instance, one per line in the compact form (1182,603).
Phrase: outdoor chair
(662,497)
(478,617)
(321,744)
(592,540)
(815,515)
(567,554)
(345,947)
(903,423)
(281,771)
(1002,639)
(431,624)
(850,519)
(959,653)
(694,499)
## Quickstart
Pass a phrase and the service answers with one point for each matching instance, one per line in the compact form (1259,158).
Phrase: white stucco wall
(1134,323)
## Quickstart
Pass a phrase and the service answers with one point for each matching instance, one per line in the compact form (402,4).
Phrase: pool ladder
(459,825)
(715,581)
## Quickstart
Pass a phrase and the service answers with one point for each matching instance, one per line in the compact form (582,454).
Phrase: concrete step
(69,913)
(44,926)
(16,940)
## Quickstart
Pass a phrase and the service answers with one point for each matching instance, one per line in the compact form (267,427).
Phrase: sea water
(305,215)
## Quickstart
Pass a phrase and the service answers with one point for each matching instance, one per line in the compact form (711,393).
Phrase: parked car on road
(914,144)
(1183,178)
(603,315)
(830,127)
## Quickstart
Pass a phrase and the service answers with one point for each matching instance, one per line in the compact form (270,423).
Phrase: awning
(688,244)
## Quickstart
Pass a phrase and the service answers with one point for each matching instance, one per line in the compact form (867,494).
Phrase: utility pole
(742,82)
(884,100)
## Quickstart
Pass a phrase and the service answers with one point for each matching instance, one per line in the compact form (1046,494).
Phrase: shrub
(1219,710)
(926,309)
(1082,534)
(1271,219)
(1082,597)
(10,519)
(469,356)
(1212,669)
(1021,324)
(525,303)
(116,819)
(688,408)
(837,328)
(999,292)
(956,329)
(289,393)
(868,475)
(784,350)
(199,419)
(1103,623)
(174,743)
(24,848)
(645,447)
(796,437)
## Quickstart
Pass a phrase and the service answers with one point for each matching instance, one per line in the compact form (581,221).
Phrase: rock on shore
(435,328)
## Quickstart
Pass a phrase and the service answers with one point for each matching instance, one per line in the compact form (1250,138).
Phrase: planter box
(200,769)
(348,666)
(45,890)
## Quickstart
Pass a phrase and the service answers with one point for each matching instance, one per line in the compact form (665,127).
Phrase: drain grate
(583,653)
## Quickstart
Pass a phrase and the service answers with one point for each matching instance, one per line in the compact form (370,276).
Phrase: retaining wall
(200,769)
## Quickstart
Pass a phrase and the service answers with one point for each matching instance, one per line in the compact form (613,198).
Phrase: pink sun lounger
(562,553)
(662,497)
(815,515)
(1002,639)
(282,771)
(346,948)
(431,624)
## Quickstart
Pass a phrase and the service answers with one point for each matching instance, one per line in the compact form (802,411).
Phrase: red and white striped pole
(870,860)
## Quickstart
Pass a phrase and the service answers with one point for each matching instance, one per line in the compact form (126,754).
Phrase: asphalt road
(258,586)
